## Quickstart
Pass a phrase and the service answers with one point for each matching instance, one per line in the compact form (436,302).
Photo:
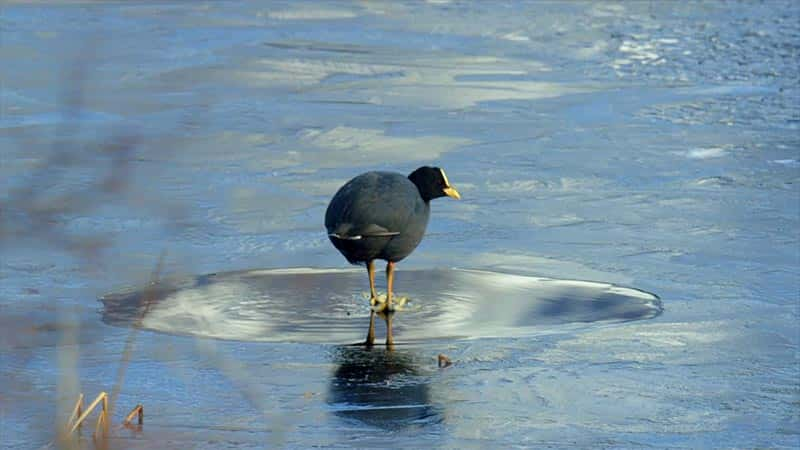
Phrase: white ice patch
(602,9)
(640,51)
(268,72)
(312,14)
(716,181)
(787,162)
(516,36)
(706,153)
(345,146)
(437,81)
(644,51)
(464,94)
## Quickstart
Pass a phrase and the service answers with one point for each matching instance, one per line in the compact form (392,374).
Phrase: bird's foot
(380,305)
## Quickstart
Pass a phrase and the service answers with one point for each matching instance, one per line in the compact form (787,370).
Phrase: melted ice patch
(330,306)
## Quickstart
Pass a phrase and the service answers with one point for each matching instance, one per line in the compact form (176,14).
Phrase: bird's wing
(372,210)
(385,212)
(350,231)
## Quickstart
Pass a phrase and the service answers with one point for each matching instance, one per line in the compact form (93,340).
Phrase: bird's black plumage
(383,215)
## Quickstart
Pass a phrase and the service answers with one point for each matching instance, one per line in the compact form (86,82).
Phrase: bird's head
(433,183)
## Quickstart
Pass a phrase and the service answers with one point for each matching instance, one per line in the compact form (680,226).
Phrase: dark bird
(383,215)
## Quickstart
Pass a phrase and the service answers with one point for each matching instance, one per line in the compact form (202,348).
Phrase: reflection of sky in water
(643,144)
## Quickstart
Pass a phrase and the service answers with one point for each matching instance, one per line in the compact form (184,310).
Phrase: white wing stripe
(346,238)
(358,236)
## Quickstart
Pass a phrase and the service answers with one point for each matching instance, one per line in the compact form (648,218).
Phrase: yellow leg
(389,337)
(389,285)
(373,297)
(389,308)
(371,333)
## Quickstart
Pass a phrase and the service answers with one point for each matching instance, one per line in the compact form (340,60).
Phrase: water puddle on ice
(330,306)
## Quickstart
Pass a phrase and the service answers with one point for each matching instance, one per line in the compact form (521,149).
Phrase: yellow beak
(451,192)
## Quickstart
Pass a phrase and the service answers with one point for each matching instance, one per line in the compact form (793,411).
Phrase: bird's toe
(381,307)
(398,304)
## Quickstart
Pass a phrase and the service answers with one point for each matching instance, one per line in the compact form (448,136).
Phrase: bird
(383,215)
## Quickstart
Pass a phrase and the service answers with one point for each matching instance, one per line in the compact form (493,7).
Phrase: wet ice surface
(327,306)
(645,145)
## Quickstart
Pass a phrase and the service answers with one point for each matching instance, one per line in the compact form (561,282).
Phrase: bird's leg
(389,337)
(371,333)
(373,296)
(389,284)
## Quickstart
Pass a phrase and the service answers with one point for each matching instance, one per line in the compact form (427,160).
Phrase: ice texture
(651,145)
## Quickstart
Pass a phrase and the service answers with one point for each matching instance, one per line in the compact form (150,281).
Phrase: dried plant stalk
(76,412)
(102,397)
(100,421)
(136,411)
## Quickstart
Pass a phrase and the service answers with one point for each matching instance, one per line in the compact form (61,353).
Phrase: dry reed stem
(31,210)
(100,422)
(138,410)
(100,397)
(76,412)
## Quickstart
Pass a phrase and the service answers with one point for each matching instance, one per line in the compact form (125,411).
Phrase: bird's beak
(451,192)
(448,190)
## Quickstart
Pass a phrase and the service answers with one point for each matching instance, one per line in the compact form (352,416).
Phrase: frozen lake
(639,148)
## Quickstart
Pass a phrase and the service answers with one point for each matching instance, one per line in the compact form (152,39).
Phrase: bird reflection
(380,387)
(388,317)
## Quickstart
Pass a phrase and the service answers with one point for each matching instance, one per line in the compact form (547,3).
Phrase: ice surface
(331,307)
(645,144)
